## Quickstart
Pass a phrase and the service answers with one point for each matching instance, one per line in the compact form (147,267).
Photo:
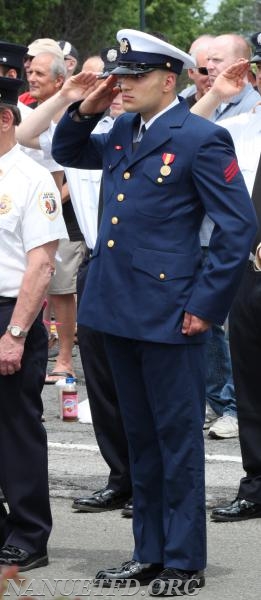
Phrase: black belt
(6,300)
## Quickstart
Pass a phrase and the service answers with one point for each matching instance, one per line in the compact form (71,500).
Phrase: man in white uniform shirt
(31,224)
(244,317)
(245,335)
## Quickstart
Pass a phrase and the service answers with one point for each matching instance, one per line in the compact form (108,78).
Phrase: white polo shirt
(245,130)
(38,155)
(30,215)
(83,185)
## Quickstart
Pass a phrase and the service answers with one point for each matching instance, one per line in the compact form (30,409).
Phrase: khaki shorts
(64,279)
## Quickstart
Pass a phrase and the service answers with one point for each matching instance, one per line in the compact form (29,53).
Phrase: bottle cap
(60,382)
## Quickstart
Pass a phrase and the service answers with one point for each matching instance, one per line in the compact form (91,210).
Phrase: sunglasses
(203,70)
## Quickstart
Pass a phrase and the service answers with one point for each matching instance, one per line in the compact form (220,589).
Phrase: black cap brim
(256,58)
(122,70)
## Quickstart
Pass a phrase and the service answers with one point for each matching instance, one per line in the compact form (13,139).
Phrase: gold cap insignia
(124,46)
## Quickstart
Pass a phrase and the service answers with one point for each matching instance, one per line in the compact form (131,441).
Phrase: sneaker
(224,427)
(210,416)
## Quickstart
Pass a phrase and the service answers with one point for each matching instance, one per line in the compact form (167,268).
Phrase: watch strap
(81,116)
(16,331)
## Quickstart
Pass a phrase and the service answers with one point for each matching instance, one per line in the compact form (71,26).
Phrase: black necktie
(256,199)
(141,134)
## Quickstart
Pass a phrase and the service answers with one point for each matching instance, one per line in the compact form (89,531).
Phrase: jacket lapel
(157,134)
(160,132)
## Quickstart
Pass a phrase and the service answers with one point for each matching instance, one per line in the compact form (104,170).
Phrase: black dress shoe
(127,510)
(176,582)
(11,555)
(238,510)
(130,570)
(104,499)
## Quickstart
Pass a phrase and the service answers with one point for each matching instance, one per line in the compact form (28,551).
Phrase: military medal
(167,160)
(165,170)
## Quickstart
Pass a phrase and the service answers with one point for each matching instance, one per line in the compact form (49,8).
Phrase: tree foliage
(91,24)
(181,21)
(22,21)
(238,16)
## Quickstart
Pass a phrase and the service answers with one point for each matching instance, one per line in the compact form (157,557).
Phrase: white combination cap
(141,52)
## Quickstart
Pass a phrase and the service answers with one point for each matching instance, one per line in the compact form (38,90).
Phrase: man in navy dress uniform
(148,291)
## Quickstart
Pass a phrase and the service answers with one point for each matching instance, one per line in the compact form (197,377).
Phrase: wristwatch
(81,116)
(16,331)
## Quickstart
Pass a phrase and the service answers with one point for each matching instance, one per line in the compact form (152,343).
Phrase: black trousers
(245,345)
(104,406)
(23,444)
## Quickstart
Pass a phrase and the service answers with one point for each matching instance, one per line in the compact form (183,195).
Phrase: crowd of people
(126,216)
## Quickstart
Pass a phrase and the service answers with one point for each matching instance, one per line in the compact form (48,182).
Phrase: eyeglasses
(203,70)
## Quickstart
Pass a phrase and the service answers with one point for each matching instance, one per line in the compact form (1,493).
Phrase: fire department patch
(48,205)
(5,204)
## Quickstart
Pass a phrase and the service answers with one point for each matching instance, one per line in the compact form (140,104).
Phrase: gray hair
(57,66)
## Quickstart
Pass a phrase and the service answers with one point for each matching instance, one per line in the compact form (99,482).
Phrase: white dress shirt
(30,215)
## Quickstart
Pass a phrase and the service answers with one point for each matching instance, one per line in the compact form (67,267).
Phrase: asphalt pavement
(83,543)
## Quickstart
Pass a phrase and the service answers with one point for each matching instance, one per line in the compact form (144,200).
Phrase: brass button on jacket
(126,175)
(120,197)
(110,243)
(115,220)
(162,276)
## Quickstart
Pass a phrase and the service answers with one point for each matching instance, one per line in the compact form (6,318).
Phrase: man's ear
(170,81)
(191,74)
(6,119)
(59,81)
(11,73)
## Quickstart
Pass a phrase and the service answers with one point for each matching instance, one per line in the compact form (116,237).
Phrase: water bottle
(69,400)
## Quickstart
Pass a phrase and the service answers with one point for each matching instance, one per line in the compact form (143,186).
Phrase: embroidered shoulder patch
(48,205)
(5,204)
(231,170)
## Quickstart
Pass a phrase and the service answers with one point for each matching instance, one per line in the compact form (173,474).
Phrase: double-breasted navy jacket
(146,267)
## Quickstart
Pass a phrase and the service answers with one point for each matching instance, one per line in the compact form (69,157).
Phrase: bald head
(94,64)
(223,51)
(200,44)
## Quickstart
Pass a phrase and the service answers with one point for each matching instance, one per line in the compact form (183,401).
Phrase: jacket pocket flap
(164,265)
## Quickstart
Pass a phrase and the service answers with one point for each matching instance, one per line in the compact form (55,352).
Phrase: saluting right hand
(101,97)
(232,80)
(97,94)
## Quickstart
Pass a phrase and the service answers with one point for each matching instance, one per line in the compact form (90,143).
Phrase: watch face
(16,330)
